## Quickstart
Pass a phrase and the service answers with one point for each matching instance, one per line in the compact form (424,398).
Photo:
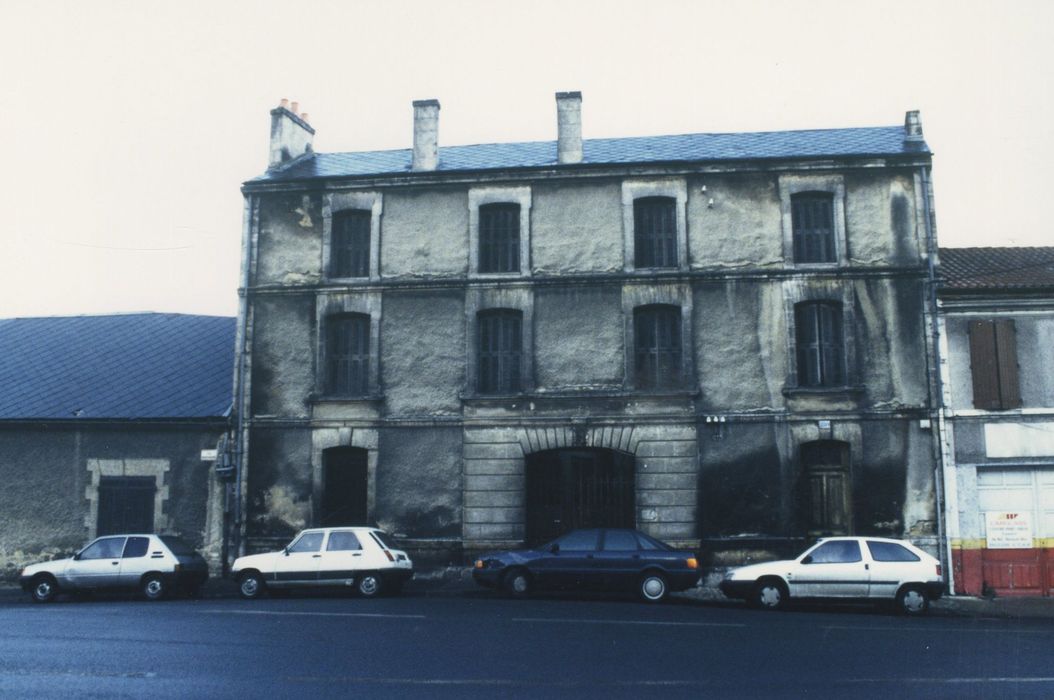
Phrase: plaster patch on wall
(281,504)
(1019,439)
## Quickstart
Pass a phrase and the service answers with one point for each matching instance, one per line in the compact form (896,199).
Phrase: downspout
(936,393)
(241,381)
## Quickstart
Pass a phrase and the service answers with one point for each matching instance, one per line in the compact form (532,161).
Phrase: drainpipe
(936,393)
(241,380)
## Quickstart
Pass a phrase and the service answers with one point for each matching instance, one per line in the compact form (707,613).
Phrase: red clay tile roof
(1017,268)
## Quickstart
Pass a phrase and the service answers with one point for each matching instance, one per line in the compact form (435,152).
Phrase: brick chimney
(290,134)
(912,126)
(569,127)
(426,134)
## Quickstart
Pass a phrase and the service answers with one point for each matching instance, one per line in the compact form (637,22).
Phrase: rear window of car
(650,543)
(136,547)
(890,551)
(620,541)
(177,546)
(384,538)
(579,541)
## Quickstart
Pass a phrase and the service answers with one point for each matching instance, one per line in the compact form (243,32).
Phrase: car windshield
(178,546)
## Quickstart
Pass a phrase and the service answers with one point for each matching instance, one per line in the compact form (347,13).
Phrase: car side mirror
(77,556)
(285,551)
(807,560)
(554,548)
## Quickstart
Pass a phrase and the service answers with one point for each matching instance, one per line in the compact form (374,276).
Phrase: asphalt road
(480,644)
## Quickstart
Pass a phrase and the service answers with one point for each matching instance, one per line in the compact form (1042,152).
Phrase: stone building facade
(997,323)
(724,340)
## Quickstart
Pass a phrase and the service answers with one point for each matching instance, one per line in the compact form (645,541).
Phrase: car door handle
(115,563)
(315,556)
(867,567)
(357,554)
(636,556)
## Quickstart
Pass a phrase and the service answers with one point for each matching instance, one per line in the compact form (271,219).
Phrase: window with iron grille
(499,238)
(655,232)
(349,254)
(500,351)
(812,217)
(993,364)
(657,347)
(820,344)
(348,355)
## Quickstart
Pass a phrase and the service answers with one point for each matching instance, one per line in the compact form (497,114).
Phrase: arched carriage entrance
(578,487)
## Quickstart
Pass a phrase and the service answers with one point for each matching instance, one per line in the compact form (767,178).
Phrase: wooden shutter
(1006,362)
(983,365)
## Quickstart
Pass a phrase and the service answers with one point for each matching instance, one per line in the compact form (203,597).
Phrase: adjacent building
(725,340)
(997,320)
(111,424)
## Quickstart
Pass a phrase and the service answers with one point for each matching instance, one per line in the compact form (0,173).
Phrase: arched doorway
(345,481)
(578,487)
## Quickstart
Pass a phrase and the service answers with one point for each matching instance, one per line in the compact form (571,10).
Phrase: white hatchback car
(153,564)
(362,557)
(863,568)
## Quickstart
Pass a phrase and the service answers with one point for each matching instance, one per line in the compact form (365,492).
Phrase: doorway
(576,488)
(344,487)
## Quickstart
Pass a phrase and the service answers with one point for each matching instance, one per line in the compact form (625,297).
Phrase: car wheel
(769,594)
(45,589)
(912,600)
(251,585)
(153,587)
(369,585)
(653,587)
(518,583)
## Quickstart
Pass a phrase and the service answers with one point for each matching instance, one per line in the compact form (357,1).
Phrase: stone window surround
(830,292)
(98,468)
(324,438)
(792,184)
(335,304)
(333,202)
(484,299)
(679,295)
(632,190)
(477,197)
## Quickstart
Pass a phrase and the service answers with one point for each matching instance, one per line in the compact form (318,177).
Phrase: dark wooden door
(570,489)
(126,504)
(344,487)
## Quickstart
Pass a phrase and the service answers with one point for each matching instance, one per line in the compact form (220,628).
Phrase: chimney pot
(303,117)
(291,135)
(294,107)
(426,135)
(912,126)
(569,127)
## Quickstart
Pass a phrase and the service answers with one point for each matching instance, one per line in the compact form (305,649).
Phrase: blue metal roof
(134,366)
(814,143)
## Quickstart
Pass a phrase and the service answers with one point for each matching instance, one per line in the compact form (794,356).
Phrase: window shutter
(1006,358)
(983,365)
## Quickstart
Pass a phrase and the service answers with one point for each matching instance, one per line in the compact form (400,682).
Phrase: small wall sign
(1008,530)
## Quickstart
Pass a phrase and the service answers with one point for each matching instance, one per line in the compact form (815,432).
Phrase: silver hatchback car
(154,565)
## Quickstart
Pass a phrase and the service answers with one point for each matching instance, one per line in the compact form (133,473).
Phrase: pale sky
(129,126)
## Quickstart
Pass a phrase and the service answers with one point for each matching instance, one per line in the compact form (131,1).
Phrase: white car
(863,568)
(362,557)
(152,564)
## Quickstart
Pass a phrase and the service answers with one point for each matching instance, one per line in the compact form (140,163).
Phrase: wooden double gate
(578,487)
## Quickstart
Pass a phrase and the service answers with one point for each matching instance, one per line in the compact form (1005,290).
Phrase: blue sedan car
(597,560)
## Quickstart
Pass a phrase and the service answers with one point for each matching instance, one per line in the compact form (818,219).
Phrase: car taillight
(178,567)
(940,571)
(692,563)
(479,563)
(389,555)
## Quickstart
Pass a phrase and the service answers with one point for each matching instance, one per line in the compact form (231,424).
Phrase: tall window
(499,238)
(820,343)
(812,216)
(657,347)
(826,467)
(348,355)
(500,351)
(655,232)
(349,254)
(993,364)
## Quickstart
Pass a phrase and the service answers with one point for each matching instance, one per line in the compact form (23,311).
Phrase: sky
(128,127)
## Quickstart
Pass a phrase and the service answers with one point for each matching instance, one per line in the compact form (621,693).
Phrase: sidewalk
(457,581)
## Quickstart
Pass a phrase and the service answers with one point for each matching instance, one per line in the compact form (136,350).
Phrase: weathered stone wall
(578,337)
(576,227)
(285,347)
(279,502)
(44,504)
(425,233)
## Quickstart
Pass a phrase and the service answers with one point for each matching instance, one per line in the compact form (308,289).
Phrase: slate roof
(982,269)
(129,366)
(813,143)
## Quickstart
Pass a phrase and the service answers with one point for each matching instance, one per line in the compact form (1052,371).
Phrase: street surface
(479,644)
